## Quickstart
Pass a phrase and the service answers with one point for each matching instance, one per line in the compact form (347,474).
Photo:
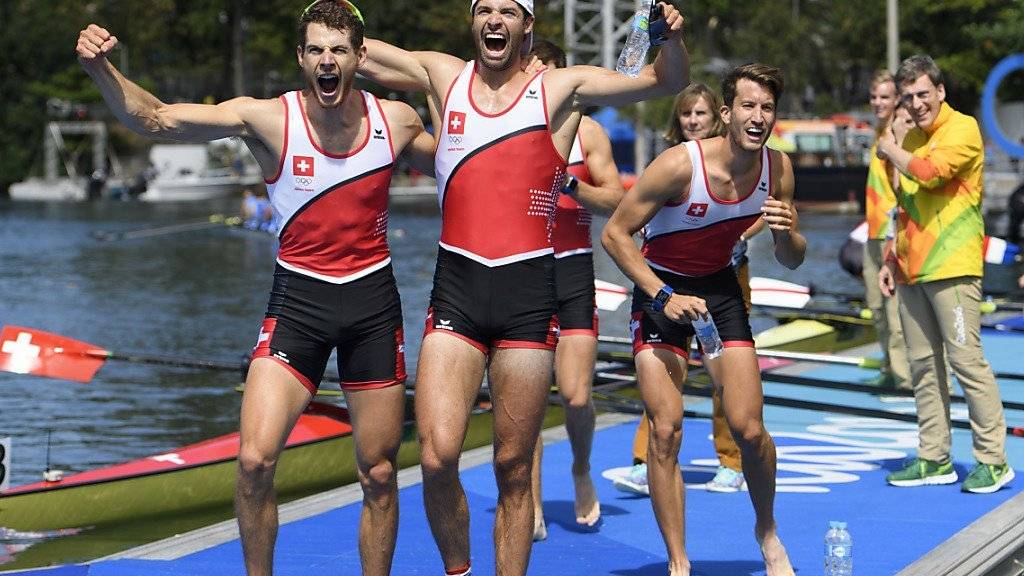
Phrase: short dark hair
(767,76)
(334,15)
(546,51)
(912,68)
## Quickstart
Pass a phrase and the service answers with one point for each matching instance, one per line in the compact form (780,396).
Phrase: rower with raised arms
(503,139)
(327,153)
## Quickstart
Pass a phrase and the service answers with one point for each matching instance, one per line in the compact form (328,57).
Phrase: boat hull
(200,479)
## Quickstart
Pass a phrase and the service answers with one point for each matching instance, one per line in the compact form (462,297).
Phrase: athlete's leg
(520,380)
(448,378)
(272,402)
(377,416)
(736,371)
(540,529)
(660,374)
(574,373)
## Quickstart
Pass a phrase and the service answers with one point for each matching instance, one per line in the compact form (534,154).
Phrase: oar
(704,391)
(785,355)
(763,291)
(31,351)
(212,221)
(858,361)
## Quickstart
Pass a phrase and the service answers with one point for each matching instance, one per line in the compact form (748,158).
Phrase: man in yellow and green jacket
(938,265)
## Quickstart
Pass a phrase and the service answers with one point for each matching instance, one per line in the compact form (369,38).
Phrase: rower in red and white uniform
(696,200)
(327,153)
(504,135)
(593,186)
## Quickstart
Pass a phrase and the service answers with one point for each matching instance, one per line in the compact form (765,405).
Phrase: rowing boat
(199,478)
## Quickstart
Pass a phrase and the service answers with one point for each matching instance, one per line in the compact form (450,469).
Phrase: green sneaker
(987,478)
(921,472)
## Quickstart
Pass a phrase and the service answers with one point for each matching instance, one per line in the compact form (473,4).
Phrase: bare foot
(540,529)
(776,561)
(679,568)
(588,509)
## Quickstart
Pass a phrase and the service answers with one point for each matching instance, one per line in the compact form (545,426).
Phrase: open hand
(94,43)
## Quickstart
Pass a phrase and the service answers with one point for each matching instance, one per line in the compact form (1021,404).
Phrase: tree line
(211,50)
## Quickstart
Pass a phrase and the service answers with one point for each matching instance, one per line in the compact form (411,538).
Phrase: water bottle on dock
(648,26)
(707,335)
(838,550)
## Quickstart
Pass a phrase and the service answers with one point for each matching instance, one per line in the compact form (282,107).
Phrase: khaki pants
(886,314)
(943,315)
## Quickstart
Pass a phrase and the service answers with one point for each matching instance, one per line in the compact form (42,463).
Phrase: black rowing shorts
(724,297)
(574,281)
(508,306)
(308,318)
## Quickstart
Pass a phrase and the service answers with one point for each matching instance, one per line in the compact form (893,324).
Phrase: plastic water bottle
(634,53)
(707,335)
(838,550)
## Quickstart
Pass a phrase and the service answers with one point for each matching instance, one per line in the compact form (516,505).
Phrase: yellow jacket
(940,226)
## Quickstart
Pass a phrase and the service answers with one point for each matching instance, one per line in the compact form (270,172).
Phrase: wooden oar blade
(30,351)
(609,296)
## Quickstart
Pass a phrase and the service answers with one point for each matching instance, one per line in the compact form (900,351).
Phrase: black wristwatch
(661,298)
(571,183)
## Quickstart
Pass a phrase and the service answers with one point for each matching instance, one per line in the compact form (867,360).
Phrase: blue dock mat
(830,468)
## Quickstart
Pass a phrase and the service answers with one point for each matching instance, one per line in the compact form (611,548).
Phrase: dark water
(201,295)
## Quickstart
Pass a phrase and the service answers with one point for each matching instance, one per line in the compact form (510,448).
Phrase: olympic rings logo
(1004,68)
(304,180)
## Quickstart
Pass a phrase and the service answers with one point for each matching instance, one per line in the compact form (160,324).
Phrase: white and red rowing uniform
(571,234)
(498,175)
(695,236)
(333,207)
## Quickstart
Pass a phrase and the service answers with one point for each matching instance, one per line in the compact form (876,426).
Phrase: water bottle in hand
(838,550)
(648,26)
(707,335)
(634,53)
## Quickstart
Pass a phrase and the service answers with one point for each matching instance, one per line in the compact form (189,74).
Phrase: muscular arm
(781,217)
(607,191)
(664,178)
(410,139)
(145,114)
(669,73)
(395,68)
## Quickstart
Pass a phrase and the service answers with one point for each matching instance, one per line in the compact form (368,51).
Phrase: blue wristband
(661,298)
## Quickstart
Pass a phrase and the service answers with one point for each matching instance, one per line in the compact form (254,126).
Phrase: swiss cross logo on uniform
(697,209)
(302,165)
(456,122)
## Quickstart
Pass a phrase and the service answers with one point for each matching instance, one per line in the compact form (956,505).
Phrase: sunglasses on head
(348,5)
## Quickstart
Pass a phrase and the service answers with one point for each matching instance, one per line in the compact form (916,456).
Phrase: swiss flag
(302,165)
(697,209)
(456,122)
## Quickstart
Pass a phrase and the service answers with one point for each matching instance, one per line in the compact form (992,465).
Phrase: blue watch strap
(661,298)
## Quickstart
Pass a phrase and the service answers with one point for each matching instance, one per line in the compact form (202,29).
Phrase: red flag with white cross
(302,165)
(456,122)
